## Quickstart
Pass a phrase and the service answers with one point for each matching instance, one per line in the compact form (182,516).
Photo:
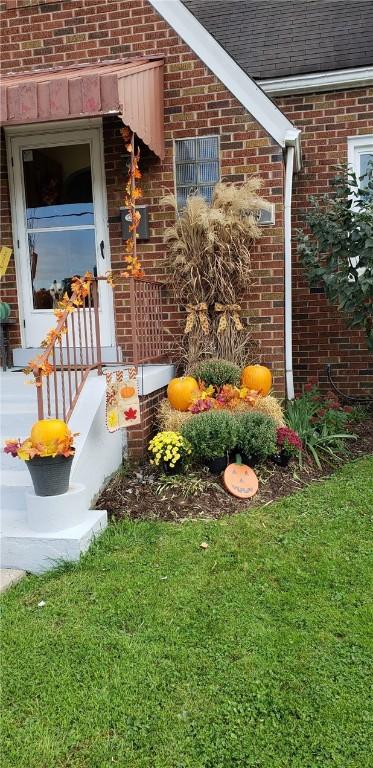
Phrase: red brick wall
(138,437)
(320,333)
(62,33)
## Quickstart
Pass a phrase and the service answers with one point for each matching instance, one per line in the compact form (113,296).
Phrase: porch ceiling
(132,89)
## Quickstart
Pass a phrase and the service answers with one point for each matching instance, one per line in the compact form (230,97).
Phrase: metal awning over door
(131,89)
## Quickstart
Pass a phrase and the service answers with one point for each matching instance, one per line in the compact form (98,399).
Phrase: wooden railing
(76,349)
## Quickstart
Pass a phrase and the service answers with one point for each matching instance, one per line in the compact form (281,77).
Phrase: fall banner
(122,399)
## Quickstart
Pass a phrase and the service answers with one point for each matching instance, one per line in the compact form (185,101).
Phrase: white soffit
(252,97)
(318,81)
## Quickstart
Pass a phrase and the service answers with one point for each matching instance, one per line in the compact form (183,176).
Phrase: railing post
(39,392)
(97,327)
(134,335)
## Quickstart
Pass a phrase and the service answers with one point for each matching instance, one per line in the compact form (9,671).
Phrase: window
(196,167)
(360,153)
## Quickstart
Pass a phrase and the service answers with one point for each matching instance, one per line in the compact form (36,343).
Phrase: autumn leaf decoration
(131,196)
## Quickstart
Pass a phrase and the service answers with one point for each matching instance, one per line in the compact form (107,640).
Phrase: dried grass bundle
(209,245)
(169,419)
(270,406)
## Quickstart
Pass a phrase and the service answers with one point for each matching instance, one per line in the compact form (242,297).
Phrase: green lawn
(155,653)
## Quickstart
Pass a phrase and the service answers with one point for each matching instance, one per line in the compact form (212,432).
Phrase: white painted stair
(31,545)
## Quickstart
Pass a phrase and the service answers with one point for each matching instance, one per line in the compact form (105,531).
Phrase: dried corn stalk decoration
(209,264)
(131,197)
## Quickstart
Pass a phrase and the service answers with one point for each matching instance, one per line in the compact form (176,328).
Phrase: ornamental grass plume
(209,244)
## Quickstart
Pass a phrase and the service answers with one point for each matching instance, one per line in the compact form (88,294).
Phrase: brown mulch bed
(135,492)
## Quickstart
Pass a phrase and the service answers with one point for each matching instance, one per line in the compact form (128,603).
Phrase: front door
(61,226)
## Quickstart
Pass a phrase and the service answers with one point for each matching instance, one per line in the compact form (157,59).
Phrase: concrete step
(14,486)
(38,551)
(10,576)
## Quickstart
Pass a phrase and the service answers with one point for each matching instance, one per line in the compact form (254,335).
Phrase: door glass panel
(55,257)
(58,186)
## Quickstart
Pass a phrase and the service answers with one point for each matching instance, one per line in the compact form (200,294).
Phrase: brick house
(278,89)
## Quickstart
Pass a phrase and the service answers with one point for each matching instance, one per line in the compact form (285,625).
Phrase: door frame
(48,130)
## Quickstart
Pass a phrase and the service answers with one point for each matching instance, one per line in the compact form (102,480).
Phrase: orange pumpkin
(257,377)
(181,392)
(48,433)
(127,391)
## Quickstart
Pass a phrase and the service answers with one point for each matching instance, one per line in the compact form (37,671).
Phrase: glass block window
(197,167)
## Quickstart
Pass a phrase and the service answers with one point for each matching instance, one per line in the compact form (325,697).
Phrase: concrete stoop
(37,531)
(51,529)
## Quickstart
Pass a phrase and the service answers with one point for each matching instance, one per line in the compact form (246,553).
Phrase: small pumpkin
(257,377)
(127,391)
(48,433)
(182,391)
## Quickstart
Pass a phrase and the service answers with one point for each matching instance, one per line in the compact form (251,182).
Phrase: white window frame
(356,146)
(194,138)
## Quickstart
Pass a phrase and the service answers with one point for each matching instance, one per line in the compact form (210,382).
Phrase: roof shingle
(277,38)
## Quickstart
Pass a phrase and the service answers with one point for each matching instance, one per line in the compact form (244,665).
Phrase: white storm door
(61,224)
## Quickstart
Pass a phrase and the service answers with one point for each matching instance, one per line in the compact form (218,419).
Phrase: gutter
(315,82)
(289,170)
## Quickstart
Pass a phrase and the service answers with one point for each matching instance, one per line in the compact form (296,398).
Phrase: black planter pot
(217,465)
(281,458)
(50,475)
(167,470)
(250,459)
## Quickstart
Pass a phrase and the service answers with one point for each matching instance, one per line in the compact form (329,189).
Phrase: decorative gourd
(181,392)
(257,377)
(127,391)
(4,310)
(48,433)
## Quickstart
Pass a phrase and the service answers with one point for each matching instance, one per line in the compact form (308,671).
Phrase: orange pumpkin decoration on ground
(49,432)
(181,392)
(257,377)
(240,480)
(127,391)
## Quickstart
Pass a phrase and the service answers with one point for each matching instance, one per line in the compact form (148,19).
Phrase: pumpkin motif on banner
(122,399)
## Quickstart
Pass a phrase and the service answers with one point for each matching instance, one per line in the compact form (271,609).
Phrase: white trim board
(318,81)
(221,64)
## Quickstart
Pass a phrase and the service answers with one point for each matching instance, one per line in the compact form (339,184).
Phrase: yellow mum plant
(168,449)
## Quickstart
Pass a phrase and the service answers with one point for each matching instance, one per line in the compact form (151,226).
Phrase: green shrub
(256,435)
(211,434)
(217,373)
(320,423)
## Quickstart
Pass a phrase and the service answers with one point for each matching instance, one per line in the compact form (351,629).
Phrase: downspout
(289,169)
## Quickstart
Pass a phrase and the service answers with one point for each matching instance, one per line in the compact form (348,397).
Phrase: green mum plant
(211,434)
(337,251)
(256,435)
(216,373)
